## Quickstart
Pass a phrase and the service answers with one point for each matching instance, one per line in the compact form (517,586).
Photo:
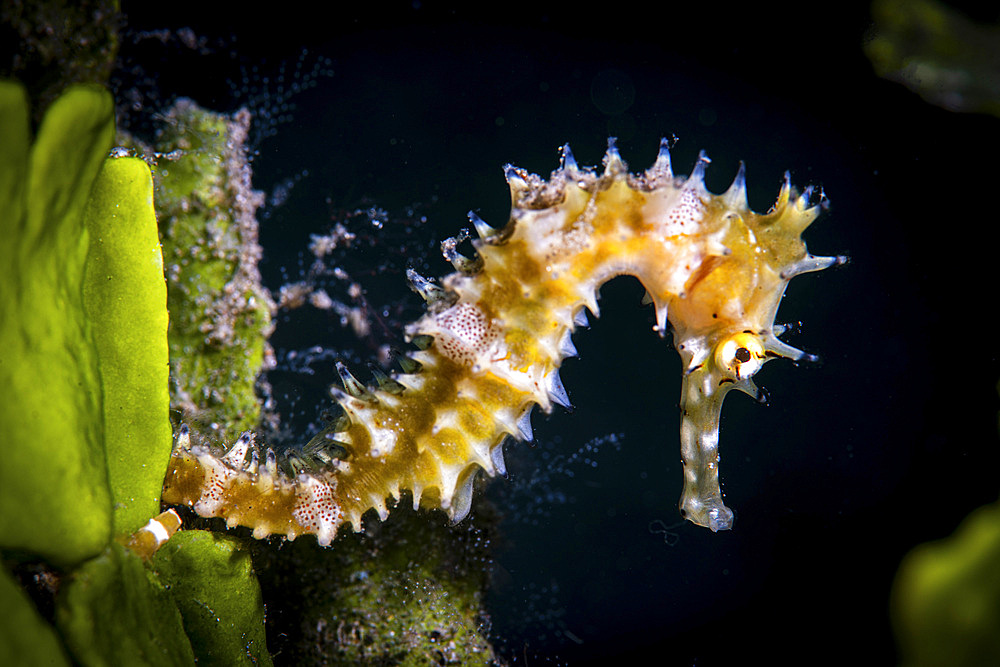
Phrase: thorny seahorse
(496,331)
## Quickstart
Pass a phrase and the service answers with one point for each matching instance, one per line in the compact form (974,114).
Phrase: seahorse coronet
(495,333)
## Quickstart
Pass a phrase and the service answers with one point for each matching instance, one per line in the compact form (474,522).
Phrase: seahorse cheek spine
(497,331)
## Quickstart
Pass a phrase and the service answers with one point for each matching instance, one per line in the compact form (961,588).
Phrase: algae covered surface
(409,591)
(221,313)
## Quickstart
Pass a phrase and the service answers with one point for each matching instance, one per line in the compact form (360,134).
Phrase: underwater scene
(231,239)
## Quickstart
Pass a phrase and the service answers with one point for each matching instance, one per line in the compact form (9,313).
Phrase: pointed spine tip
(432,294)
(740,180)
(524,426)
(271,463)
(778,348)
(481,227)
(566,159)
(449,248)
(385,383)
(613,163)
(409,366)
(662,324)
(750,388)
(786,188)
(811,263)
(236,456)
(422,342)
(664,151)
(566,347)
(557,391)
(698,173)
(802,203)
(808,358)
(461,498)
(661,169)
(352,385)
(496,456)
(736,195)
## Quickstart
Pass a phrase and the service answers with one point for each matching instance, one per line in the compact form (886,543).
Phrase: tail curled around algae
(497,330)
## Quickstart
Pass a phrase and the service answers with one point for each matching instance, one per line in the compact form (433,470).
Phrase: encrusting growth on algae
(220,312)
(497,330)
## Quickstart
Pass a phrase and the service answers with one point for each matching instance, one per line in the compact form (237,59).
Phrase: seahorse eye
(740,355)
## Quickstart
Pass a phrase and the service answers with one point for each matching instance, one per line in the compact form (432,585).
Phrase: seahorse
(495,332)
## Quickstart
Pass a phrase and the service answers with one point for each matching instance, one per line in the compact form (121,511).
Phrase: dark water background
(888,443)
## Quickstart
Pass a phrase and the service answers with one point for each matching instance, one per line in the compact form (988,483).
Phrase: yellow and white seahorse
(497,330)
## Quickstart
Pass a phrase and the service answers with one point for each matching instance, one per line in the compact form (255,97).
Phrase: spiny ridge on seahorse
(497,330)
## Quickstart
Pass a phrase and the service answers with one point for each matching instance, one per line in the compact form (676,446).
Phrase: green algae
(54,496)
(211,578)
(115,611)
(85,427)
(126,297)
(84,333)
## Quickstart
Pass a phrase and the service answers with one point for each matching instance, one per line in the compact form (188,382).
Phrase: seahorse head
(724,326)
(714,269)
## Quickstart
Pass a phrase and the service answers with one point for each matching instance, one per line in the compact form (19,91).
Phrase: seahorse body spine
(496,332)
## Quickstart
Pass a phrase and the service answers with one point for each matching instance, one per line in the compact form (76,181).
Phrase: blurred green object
(948,59)
(115,611)
(58,43)
(54,495)
(25,637)
(213,583)
(946,597)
